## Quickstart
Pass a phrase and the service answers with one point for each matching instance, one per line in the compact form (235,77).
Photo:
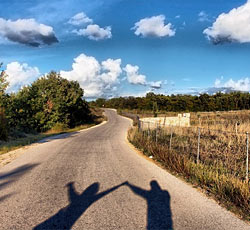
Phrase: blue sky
(178,46)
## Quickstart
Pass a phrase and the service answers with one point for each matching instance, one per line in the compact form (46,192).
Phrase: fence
(227,151)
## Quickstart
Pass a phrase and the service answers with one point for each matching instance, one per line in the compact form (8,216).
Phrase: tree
(46,102)
(3,81)
(3,121)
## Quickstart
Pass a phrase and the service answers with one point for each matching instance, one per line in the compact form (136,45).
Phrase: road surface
(94,180)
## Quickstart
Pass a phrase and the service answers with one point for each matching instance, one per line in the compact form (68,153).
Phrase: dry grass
(222,166)
(224,185)
(220,120)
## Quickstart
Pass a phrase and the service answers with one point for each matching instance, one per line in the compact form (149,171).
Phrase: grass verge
(24,139)
(230,191)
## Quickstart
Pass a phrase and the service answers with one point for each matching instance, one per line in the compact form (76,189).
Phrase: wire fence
(227,151)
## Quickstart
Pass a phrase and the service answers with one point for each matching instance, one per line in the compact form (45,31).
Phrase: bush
(3,126)
(45,103)
(59,127)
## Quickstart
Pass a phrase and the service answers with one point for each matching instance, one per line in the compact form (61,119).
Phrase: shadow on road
(13,176)
(79,203)
(57,137)
(159,212)
(158,201)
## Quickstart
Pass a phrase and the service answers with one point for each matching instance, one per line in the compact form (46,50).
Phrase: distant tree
(155,109)
(181,103)
(100,102)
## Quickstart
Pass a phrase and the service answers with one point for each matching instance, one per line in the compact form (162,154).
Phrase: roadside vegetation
(221,170)
(19,139)
(49,106)
(223,121)
(210,173)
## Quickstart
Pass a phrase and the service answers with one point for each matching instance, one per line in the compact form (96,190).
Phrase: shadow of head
(154,185)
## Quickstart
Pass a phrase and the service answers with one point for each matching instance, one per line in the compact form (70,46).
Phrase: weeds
(220,175)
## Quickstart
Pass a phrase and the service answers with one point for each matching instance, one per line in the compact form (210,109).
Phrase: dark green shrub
(3,126)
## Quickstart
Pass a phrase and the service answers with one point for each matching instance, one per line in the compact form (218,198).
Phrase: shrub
(3,126)
(59,127)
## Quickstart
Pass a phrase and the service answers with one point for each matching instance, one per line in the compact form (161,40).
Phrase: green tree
(46,102)
(3,121)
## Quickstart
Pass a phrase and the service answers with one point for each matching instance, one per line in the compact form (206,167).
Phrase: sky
(128,47)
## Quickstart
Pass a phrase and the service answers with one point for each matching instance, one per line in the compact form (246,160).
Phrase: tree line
(47,102)
(180,103)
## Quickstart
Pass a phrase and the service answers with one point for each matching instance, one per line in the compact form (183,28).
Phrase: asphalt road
(95,180)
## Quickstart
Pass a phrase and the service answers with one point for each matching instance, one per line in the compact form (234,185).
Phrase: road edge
(203,192)
(14,154)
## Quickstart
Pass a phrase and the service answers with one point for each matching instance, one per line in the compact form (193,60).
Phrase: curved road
(94,180)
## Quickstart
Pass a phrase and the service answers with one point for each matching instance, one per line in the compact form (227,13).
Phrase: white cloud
(156,84)
(218,81)
(153,27)
(133,76)
(238,85)
(20,75)
(95,32)
(203,17)
(80,19)
(97,79)
(27,31)
(231,27)
(112,69)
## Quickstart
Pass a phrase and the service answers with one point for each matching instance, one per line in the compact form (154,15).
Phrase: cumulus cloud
(153,27)
(80,19)
(27,32)
(236,85)
(133,75)
(134,78)
(203,17)
(97,79)
(231,27)
(95,32)
(20,75)
(231,85)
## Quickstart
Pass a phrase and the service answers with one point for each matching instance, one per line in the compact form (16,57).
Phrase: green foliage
(155,109)
(3,82)
(3,126)
(3,121)
(181,103)
(100,102)
(59,127)
(48,101)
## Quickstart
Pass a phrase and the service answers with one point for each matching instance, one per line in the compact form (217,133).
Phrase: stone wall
(182,120)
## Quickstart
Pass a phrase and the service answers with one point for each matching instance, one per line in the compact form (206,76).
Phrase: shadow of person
(159,212)
(79,203)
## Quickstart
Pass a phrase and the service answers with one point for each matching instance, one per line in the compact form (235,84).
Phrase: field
(215,160)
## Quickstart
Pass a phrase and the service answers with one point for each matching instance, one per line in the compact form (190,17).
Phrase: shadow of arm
(100,195)
(137,190)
